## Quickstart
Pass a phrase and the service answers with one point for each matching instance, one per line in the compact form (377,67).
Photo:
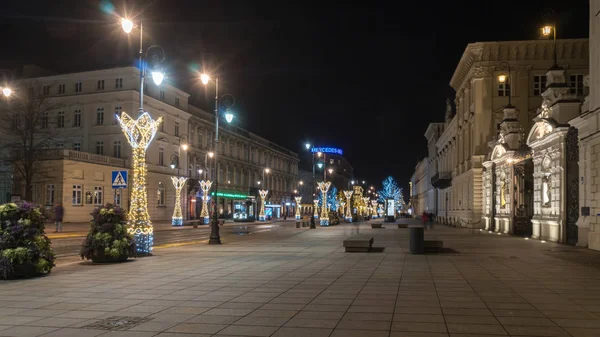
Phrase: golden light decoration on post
(324,187)
(547,30)
(348,215)
(366,205)
(298,200)
(316,212)
(263,195)
(205,186)
(177,218)
(374,208)
(139,134)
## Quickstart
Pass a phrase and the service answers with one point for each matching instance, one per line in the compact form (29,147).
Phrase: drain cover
(118,323)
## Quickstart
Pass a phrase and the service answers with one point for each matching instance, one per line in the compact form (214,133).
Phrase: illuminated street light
(204,78)
(6,91)
(307,145)
(330,170)
(157,77)
(211,154)
(228,117)
(320,164)
(127,25)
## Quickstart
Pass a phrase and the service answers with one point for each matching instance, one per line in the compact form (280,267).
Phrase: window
(100,147)
(176,129)
(576,84)
(77,118)
(200,136)
(61,88)
(100,85)
(60,145)
(118,83)
(46,90)
(117,149)
(162,95)
(77,146)
(77,193)
(539,84)
(60,119)
(176,101)
(161,157)
(118,196)
(160,195)
(78,87)
(504,88)
(98,195)
(44,120)
(118,111)
(50,194)
(100,116)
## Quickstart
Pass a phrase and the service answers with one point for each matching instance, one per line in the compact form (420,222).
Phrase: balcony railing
(84,156)
(441,180)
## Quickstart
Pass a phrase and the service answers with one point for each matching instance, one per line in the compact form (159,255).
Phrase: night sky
(366,77)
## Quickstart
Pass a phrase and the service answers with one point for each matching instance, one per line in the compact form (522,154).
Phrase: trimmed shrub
(108,240)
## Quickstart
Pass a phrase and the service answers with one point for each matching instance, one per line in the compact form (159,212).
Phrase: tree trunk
(28,190)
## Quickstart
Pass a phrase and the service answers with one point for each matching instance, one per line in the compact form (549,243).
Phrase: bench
(376,225)
(358,243)
(402,225)
(434,246)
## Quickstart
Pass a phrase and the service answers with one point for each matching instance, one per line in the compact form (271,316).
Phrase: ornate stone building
(420,186)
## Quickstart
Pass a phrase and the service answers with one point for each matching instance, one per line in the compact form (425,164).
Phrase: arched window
(160,194)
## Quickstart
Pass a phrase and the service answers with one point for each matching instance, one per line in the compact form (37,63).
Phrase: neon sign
(327,150)
(230,195)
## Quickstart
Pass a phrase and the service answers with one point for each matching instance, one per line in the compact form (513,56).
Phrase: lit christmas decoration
(205,186)
(365,210)
(263,195)
(139,134)
(298,200)
(324,187)
(374,208)
(348,195)
(177,219)
(380,210)
(316,213)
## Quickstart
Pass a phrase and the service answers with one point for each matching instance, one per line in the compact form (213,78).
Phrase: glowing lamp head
(295,191)
(330,171)
(204,78)
(320,165)
(319,154)
(258,182)
(200,171)
(6,91)
(127,25)
(502,78)
(352,182)
(546,30)
(184,147)
(301,182)
(158,77)
(228,117)
(267,170)
(172,165)
(307,145)
(211,154)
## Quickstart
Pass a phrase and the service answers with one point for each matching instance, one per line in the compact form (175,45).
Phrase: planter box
(376,225)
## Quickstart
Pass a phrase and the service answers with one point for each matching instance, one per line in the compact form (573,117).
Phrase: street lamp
(307,145)
(550,28)
(506,81)
(6,91)
(267,171)
(215,237)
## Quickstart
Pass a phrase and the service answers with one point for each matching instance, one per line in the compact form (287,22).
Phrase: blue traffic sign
(119,179)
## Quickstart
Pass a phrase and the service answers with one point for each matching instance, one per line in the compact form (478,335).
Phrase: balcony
(84,157)
(441,180)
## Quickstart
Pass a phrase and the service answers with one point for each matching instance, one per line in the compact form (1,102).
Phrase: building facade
(90,144)
(420,187)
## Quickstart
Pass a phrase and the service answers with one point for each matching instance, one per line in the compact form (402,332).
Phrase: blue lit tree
(331,194)
(390,191)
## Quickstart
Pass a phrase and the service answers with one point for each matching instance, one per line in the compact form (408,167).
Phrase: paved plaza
(293,282)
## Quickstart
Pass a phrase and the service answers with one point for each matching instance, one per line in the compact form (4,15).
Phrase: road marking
(64,236)
(177,244)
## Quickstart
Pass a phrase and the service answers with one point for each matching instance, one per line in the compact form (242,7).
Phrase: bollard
(417,239)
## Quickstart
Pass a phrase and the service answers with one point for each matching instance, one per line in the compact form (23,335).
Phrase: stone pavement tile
(320,314)
(18,319)
(420,334)
(174,334)
(541,331)
(291,300)
(154,326)
(460,319)
(577,323)
(364,325)
(517,313)
(110,307)
(169,317)
(228,312)
(569,314)
(323,307)
(311,323)
(583,332)
(197,328)
(56,322)
(359,333)
(526,321)
(26,331)
(273,313)
(418,318)
(466,312)
(421,310)
(362,316)
(552,306)
(239,305)
(301,332)
(489,329)
(419,327)
(331,301)
(510,306)
(248,330)
(213,319)
(25,305)
(338,295)
(465,305)
(185,310)
(65,306)
(71,332)
(279,306)
(371,309)
(9,311)
(264,321)
(424,303)
(592,308)
(4,327)
(129,334)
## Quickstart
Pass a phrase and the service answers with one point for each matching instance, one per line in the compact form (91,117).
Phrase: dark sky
(367,77)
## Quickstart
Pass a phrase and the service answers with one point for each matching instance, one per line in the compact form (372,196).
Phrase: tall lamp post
(549,29)
(215,237)
(506,81)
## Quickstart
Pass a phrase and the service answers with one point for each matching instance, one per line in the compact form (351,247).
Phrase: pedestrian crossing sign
(119,179)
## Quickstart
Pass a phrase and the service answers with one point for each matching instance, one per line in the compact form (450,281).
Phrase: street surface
(289,282)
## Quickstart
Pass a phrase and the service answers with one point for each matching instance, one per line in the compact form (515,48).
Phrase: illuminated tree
(390,191)
(332,202)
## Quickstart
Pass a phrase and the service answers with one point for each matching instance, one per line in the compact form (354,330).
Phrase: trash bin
(417,239)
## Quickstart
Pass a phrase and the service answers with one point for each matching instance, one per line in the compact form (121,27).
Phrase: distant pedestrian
(424,218)
(430,218)
(59,212)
